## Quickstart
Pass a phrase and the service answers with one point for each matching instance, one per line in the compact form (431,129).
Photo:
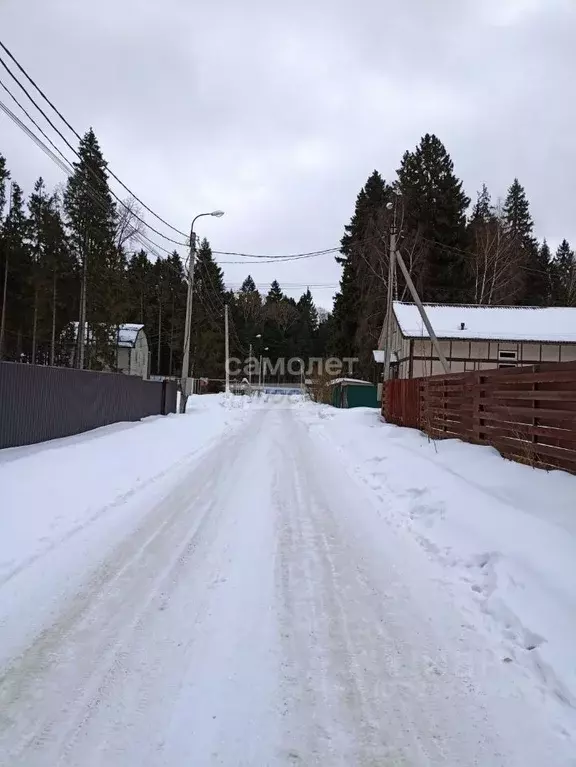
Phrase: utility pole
(390,303)
(227,349)
(188,321)
(250,365)
(422,311)
(159,355)
(5,288)
(82,324)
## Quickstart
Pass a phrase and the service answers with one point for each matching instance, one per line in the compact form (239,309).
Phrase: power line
(65,121)
(312,254)
(66,166)
(69,145)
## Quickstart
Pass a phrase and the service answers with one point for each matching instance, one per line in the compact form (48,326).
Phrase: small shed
(352,392)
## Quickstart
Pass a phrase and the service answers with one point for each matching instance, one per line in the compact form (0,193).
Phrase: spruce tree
(92,222)
(525,252)
(275,294)
(16,318)
(360,304)
(563,270)
(208,318)
(4,177)
(248,286)
(247,318)
(306,328)
(435,206)
(4,258)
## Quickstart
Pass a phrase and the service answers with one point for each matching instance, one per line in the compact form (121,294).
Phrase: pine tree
(4,176)
(344,327)
(517,212)
(39,219)
(540,279)
(248,286)
(306,329)
(525,253)
(435,208)
(563,270)
(176,312)
(16,317)
(92,221)
(361,302)
(275,294)
(247,315)
(4,256)
(208,319)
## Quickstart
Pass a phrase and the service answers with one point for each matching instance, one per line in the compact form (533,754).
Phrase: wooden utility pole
(390,304)
(159,355)
(227,348)
(5,288)
(422,310)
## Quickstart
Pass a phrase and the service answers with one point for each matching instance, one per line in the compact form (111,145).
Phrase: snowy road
(251,611)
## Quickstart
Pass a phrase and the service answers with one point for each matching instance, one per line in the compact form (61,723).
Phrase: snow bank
(51,490)
(503,534)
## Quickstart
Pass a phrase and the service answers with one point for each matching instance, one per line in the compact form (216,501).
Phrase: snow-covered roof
(347,381)
(496,323)
(127,333)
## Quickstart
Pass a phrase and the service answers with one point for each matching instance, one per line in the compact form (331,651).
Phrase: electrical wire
(66,166)
(69,145)
(65,121)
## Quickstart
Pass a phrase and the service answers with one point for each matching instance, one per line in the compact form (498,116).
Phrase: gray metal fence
(38,403)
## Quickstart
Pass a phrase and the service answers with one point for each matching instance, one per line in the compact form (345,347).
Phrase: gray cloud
(279,114)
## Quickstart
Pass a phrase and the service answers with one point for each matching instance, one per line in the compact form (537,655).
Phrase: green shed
(351,392)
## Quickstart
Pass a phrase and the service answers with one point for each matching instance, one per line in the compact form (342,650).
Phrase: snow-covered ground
(280,583)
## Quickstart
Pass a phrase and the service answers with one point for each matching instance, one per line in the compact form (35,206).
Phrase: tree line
(485,254)
(67,260)
(75,254)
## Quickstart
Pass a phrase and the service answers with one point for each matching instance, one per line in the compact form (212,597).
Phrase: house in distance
(132,355)
(478,337)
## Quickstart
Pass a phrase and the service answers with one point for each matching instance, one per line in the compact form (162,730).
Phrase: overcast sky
(278,112)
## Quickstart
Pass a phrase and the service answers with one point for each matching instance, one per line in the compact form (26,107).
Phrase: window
(507,359)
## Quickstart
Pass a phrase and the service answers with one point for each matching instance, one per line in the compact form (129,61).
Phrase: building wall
(134,361)
(140,356)
(123,360)
(465,356)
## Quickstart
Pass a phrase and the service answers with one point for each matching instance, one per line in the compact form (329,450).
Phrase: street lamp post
(189,298)
(250,355)
(261,376)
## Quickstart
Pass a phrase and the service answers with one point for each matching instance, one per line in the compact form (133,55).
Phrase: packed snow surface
(273,582)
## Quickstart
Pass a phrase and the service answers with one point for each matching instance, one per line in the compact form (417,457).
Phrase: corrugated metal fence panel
(39,403)
(527,413)
(170,397)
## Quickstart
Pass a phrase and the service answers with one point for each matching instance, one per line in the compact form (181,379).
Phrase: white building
(133,355)
(132,351)
(479,337)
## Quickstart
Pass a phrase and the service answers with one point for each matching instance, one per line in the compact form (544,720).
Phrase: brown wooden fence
(528,413)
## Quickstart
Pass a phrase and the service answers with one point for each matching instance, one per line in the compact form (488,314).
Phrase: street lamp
(250,352)
(189,297)
(260,368)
